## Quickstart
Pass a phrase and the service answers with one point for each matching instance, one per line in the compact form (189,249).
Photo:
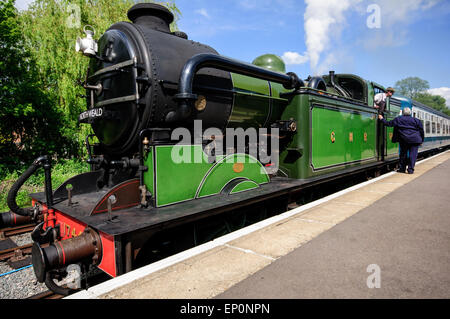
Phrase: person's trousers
(404,161)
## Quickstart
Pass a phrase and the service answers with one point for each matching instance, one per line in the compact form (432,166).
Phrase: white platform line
(125,279)
(249,251)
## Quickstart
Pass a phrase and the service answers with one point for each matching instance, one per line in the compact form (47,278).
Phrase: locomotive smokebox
(138,69)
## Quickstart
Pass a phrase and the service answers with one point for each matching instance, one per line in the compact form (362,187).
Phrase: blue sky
(380,40)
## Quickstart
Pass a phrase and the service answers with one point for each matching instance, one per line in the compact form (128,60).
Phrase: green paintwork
(222,173)
(251,102)
(348,127)
(310,152)
(271,62)
(244,186)
(257,103)
(184,173)
(177,182)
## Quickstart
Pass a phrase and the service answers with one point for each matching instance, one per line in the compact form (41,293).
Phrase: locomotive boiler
(145,76)
(146,87)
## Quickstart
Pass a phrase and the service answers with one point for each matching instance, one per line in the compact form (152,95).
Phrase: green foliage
(411,86)
(50,28)
(61,171)
(39,72)
(39,95)
(437,102)
(31,123)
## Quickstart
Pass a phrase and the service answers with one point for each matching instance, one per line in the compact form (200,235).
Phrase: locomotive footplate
(120,230)
(135,218)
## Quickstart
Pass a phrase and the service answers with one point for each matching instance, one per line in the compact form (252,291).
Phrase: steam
(323,18)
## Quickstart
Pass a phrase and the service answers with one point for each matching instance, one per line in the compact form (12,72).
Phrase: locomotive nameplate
(89,115)
(92,115)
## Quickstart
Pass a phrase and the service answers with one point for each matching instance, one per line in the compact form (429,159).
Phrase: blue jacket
(410,129)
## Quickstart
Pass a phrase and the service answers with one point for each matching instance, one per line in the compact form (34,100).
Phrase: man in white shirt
(380,99)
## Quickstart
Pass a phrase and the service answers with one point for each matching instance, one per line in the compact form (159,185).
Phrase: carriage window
(427,128)
(439,128)
(433,128)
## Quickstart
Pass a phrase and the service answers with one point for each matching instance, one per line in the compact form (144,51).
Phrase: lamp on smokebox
(87,46)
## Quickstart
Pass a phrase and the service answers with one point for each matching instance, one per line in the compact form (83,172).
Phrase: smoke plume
(323,19)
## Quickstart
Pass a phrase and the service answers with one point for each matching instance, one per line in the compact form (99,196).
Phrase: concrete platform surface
(403,238)
(392,232)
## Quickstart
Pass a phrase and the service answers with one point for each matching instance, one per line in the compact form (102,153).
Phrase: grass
(61,171)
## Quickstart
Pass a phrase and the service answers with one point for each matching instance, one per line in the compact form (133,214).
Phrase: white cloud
(444,92)
(402,11)
(395,17)
(203,12)
(324,20)
(291,58)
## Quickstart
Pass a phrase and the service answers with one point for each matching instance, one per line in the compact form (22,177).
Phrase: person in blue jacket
(410,136)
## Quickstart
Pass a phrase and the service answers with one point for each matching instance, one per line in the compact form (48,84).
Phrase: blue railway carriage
(435,124)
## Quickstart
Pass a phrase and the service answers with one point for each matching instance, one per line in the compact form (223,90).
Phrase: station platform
(385,238)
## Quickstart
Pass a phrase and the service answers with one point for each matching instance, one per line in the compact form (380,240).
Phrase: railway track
(15,252)
(17,255)
(46,295)
(13,231)
(9,250)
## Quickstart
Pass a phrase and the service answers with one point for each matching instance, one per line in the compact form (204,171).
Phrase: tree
(30,123)
(50,28)
(412,86)
(437,102)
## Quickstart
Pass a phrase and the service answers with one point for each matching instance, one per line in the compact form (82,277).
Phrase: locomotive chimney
(151,15)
